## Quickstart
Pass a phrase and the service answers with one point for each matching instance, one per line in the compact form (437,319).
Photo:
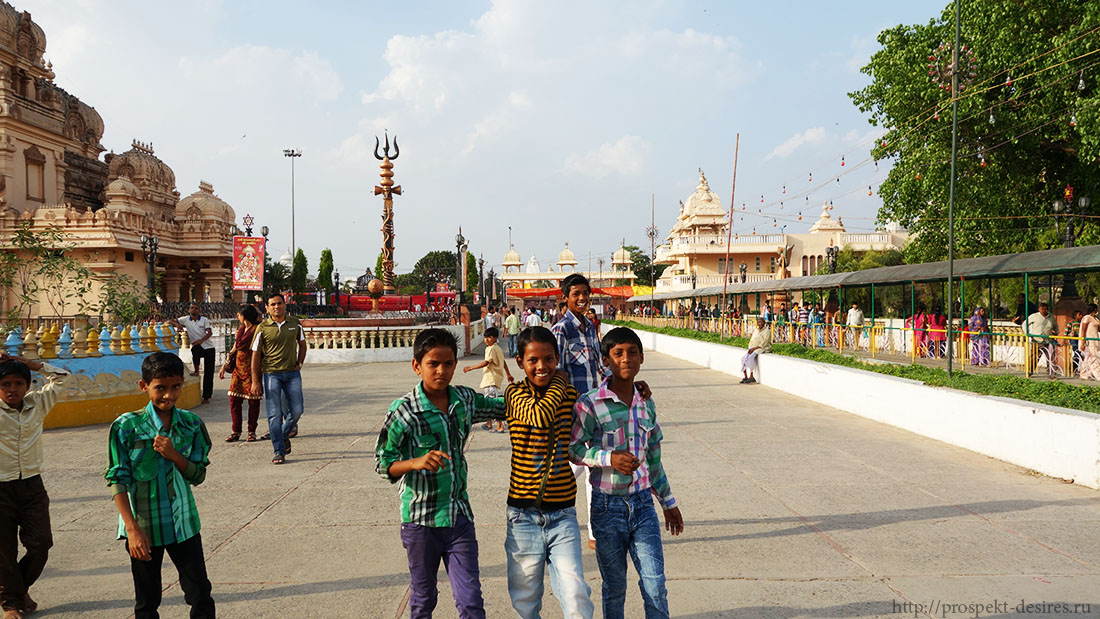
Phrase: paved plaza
(792,509)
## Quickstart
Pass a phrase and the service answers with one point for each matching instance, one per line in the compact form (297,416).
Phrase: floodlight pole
(951,192)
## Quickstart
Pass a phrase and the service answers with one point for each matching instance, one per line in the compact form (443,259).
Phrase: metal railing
(1002,347)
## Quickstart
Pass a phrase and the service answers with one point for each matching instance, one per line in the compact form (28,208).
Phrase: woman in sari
(1090,330)
(239,362)
(920,333)
(979,337)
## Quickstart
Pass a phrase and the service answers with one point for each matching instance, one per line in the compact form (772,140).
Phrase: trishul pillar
(387,191)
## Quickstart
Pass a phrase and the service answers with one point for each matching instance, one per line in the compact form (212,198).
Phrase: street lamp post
(460,253)
(1068,223)
(336,276)
(149,246)
(830,257)
(292,153)
(263,232)
(481,279)
(492,290)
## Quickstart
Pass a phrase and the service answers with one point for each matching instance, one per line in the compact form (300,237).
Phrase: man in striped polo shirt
(542,491)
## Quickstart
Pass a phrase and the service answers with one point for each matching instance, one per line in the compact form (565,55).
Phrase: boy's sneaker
(29,605)
(744,380)
(750,380)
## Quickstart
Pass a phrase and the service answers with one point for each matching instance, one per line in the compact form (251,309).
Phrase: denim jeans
(629,524)
(513,341)
(535,538)
(283,391)
(457,547)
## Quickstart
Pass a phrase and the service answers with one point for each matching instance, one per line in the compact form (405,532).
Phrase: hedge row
(1055,393)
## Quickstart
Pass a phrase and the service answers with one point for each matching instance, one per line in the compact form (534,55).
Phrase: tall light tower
(293,153)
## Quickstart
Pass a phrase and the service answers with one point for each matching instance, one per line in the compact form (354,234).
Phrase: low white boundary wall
(376,355)
(1055,441)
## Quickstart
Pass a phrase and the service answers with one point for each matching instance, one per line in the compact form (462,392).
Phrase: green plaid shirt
(413,427)
(160,494)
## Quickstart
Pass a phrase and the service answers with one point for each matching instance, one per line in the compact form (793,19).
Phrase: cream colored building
(51,174)
(696,245)
(515,275)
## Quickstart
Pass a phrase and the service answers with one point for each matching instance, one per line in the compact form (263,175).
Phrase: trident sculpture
(387,191)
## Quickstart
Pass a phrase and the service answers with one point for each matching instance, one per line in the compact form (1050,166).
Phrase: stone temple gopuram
(52,173)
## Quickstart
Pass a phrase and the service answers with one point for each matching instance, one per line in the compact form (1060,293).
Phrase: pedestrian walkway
(792,509)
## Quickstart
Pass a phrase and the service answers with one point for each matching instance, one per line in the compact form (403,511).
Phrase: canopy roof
(1051,261)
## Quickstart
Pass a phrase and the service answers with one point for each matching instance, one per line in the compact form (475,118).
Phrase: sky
(561,120)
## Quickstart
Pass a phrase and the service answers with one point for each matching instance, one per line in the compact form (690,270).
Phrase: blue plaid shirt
(579,352)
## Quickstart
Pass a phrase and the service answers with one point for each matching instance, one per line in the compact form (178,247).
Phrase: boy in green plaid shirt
(154,457)
(420,447)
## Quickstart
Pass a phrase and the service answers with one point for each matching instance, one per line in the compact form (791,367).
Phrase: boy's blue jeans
(535,538)
(629,524)
(282,390)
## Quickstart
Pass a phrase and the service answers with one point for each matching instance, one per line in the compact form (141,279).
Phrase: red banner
(248,263)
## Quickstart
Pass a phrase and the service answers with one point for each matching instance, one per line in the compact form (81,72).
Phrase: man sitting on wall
(760,342)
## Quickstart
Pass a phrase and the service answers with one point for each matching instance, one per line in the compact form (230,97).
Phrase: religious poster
(248,263)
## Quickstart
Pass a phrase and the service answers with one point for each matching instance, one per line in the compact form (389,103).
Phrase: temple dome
(825,223)
(566,256)
(205,204)
(703,201)
(621,257)
(512,258)
(19,33)
(120,187)
(533,265)
(143,168)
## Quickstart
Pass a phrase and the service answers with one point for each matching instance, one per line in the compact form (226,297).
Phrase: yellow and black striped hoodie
(535,423)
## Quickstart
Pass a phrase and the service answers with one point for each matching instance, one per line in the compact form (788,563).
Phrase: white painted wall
(1055,441)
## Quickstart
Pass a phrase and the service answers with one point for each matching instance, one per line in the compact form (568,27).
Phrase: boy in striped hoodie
(542,519)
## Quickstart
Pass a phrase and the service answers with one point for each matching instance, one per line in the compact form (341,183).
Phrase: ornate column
(387,191)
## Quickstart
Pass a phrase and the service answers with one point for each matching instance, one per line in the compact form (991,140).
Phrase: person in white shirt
(854,321)
(760,342)
(532,320)
(201,334)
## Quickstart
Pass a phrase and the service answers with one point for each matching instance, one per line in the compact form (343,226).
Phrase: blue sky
(559,119)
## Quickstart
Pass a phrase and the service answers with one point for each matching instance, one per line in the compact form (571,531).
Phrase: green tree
(378,267)
(471,276)
(278,278)
(324,271)
(37,266)
(1026,128)
(298,275)
(639,263)
(123,299)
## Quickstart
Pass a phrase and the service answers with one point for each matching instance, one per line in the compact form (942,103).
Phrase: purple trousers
(457,547)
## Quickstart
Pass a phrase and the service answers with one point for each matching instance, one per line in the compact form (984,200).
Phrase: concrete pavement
(792,509)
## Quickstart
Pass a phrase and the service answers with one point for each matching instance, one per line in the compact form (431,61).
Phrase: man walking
(1040,328)
(511,326)
(279,349)
(201,333)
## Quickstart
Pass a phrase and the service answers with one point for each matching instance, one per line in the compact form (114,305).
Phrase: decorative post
(13,343)
(105,342)
(65,343)
(387,191)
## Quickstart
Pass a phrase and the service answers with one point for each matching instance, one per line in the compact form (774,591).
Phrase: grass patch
(1055,393)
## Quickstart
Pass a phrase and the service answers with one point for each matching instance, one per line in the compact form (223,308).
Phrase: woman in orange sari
(239,362)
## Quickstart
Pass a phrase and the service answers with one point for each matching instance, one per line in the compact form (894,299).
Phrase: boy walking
(24,504)
(493,370)
(542,518)
(421,448)
(616,434)
(154,456)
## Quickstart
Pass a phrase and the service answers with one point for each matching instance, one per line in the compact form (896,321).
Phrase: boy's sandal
(251,438)
(487,426)
(233,438)
(278,459)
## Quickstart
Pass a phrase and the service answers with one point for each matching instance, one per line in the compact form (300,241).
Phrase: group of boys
(578,405)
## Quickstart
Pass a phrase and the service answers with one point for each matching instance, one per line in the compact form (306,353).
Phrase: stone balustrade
(52,341)
(367,344)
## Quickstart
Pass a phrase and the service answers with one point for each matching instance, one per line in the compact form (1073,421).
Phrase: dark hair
(535,334)
(616,336)
(433,338)
(18,368)
(276,294)
(1091,308)
(492,332)
(576,279)
(1044,304)
(251,314)
(161,365)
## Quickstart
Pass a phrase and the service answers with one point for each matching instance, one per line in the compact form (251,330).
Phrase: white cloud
(625,157)
(867,137)
(809,136)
